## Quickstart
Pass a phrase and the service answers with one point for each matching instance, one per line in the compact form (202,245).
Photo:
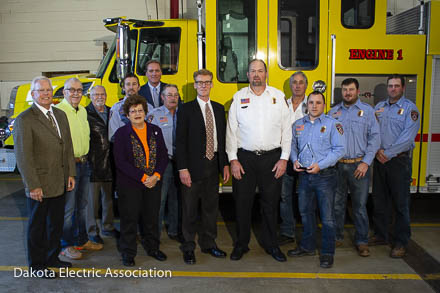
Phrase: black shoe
(128,262)
(300,252)
(179,238)
(326,261)
(215,252)
(277,254)
(157,254)
(60,264)
(238,252)
(283,239)
(189,258)
(112,233)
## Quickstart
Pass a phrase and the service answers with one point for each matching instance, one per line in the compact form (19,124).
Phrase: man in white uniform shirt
(258,141)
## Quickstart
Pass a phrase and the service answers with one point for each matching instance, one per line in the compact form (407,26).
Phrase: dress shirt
(202,108)
(102,114)
(325,135)
(361,130)
(259,123)
(44,110)
(117,119)
(163,118)
(300,110)
(399,124)
(79,127)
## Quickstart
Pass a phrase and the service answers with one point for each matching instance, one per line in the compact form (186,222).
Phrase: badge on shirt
(400,112)
(323,129)
(274,100)
(380,110)
(163,119)
(336,114)
(299,127)
(414,115)
(361,113)
(150,118)
(245,101)
(339,128)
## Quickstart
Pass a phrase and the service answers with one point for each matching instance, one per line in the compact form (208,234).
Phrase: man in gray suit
(44,152)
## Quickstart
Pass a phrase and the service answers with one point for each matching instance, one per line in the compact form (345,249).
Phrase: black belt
(403,154)
(260,153)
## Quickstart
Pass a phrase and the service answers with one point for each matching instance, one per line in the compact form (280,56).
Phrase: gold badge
(400,112)
(361,113)
(274,100)
(323,129)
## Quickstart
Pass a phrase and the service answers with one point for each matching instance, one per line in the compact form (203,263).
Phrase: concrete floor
(256,272)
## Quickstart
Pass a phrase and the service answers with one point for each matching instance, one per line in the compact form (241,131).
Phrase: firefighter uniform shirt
(399,124)
(258,123)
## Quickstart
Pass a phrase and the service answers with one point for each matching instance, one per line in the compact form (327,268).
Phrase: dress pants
(258,172)
(206,190)
(45,227)
(138,203)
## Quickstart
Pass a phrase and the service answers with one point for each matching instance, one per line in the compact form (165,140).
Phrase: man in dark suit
(44,152)
(200,156)
(152,90)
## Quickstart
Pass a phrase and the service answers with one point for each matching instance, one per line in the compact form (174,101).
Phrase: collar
(358,104)
(320,118)
(44,110)
(266,89)
(201,102)
(398,103)
(156,87)
(64,101)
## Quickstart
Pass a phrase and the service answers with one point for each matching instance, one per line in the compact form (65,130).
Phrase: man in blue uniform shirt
(363,140)
(399,123)
(317,144)
(165,117)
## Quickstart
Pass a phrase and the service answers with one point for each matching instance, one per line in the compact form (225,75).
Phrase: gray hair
(37,79)
(299,73)
(93,89)
(71,80)
(169,85)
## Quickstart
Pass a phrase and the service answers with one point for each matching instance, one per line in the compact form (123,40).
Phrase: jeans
(359,195)
(74,230)
(321,185)
(100,194)
(287,227)
(169,192)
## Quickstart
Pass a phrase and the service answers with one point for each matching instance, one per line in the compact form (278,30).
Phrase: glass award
(306,156)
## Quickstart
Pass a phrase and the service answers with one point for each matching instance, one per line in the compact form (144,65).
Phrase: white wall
(397,6)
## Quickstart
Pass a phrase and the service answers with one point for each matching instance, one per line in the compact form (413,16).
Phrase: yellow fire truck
(329,40)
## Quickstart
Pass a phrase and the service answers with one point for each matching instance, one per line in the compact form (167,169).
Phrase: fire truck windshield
(105,61)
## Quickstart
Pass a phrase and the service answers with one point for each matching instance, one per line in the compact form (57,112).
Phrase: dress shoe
(375,240)
(398,252)
(238,252)
(326,261)
(179,238)
(128,261)
(90,246)
(300,252)
(277,254)
(112,233)
(283,239)
(363,250)
(215,252)
(189,258)
(60,264)
(157,254)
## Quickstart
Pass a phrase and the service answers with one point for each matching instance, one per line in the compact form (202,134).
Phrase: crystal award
(306,156)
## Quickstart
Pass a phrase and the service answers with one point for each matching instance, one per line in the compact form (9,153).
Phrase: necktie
(209,133)
(52,121)
(155,98)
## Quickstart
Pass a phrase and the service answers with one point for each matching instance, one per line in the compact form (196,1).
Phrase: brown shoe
(363,250)
(374,240)
(398,252)
(339,243)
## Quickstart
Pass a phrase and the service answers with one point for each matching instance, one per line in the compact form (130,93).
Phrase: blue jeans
(287,227)
(321,185)
(359,195)
(74,230)
(169,191)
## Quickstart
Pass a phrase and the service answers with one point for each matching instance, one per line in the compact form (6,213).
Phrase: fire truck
(329,40)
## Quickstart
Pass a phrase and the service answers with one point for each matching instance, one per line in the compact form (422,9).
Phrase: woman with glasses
(140,158)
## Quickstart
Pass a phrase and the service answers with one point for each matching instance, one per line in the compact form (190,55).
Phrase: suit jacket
(43,158)
(191,139)
(146,93)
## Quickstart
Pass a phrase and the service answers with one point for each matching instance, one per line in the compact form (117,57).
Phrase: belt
(403,154)
(351,161)
(260,153)
(81,159)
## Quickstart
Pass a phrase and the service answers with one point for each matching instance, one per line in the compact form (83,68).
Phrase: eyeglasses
(72,90)
(46,91)
(136,111)
(172,96)
(203,83)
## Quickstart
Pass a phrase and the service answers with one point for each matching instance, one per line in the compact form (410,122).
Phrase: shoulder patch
(339,128)
(414,115)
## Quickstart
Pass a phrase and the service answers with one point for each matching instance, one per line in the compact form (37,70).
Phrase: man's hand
(280,168)
(226,174)
(185,177)
(380,156)
(151,181)
(71,183)
(236,169)
(37,194)
(297,167)
(313,169)
(361,170)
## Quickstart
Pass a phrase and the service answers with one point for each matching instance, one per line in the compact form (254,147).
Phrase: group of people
(165,157)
